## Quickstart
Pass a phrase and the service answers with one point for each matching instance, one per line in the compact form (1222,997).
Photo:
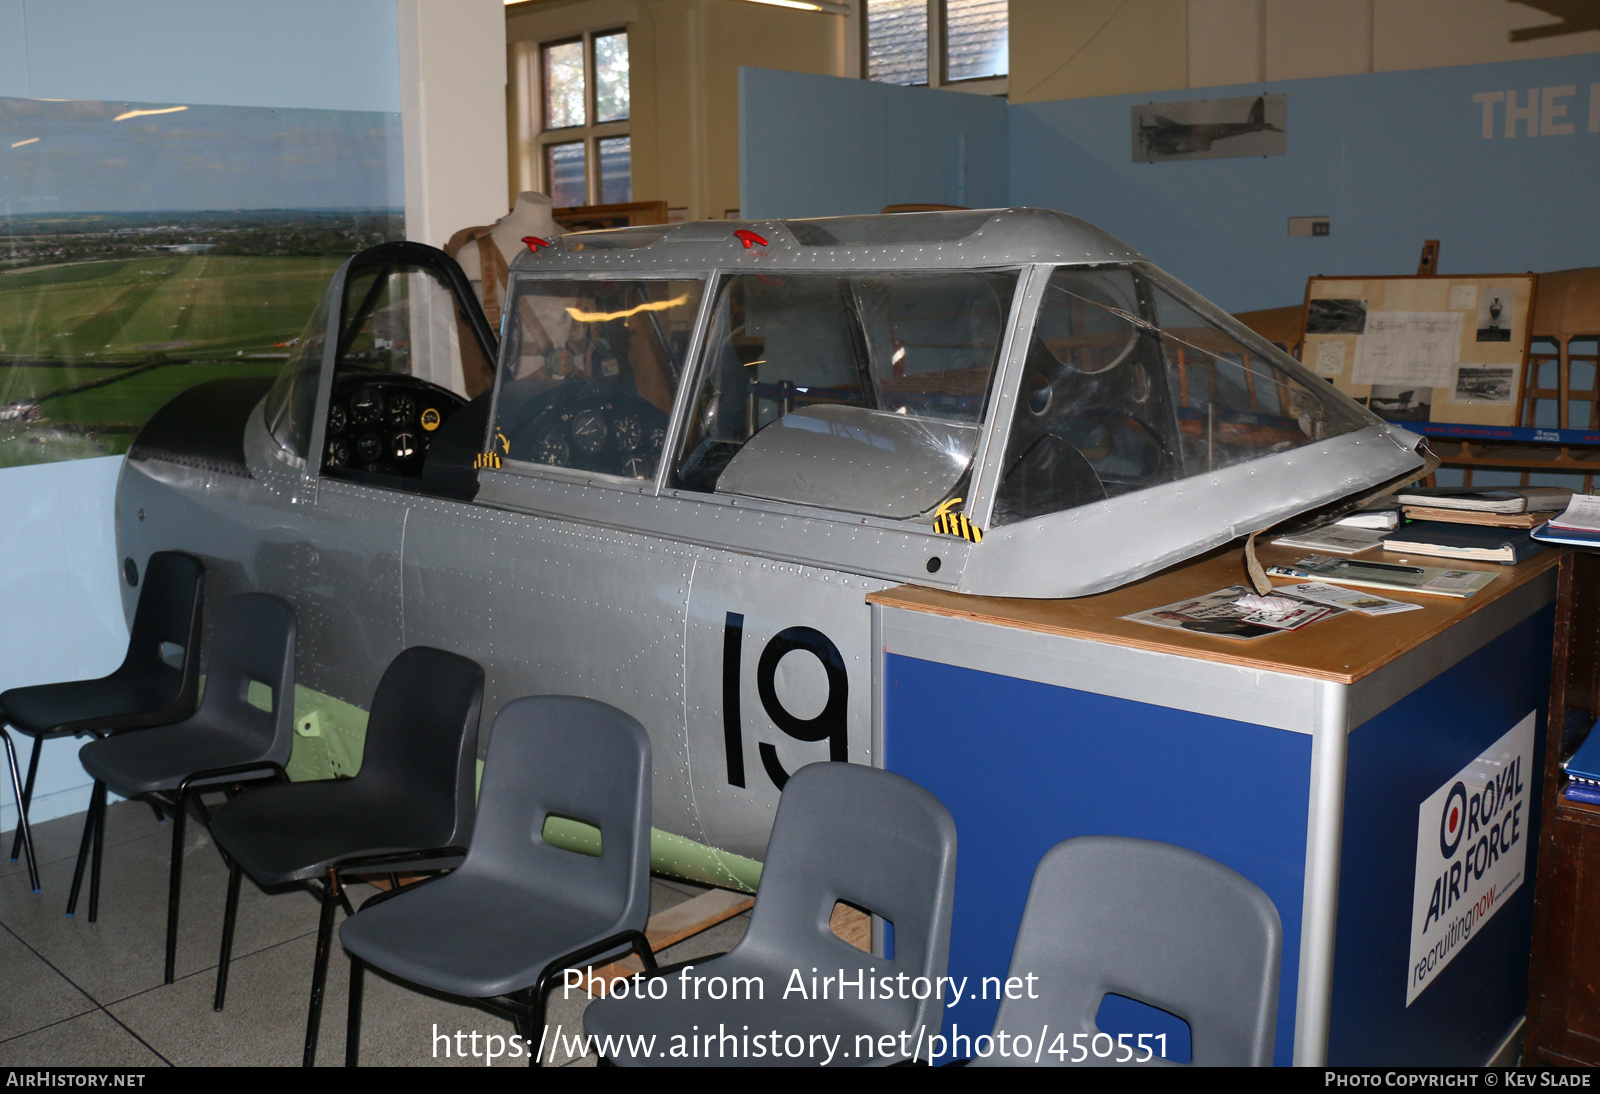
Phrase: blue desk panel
(1396,760)
(1022,766)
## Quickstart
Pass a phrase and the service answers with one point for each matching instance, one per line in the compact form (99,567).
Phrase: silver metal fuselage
(735,629)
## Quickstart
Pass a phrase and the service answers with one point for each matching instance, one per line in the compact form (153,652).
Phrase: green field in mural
(149,247)
(91,350)
(128,310)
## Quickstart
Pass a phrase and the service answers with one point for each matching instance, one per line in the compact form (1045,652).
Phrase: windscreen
(292,402)
(1126,387)
(589,372)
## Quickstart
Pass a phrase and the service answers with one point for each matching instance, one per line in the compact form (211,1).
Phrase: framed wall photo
(1430,349)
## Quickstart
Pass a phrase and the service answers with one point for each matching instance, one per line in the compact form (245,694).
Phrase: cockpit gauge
(589,431)
(366,406)
(629,434)
(370,448)
(552,448)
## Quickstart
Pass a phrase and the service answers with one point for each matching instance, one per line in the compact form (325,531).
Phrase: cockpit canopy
(1093,419)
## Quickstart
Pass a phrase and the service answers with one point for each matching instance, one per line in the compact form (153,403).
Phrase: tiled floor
(79,993)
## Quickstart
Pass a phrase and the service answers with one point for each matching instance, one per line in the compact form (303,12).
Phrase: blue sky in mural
(87,155)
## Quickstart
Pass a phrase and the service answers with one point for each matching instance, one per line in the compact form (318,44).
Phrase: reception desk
(1322,764)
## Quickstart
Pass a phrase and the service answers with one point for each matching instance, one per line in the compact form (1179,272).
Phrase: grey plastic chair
(413,794)
(844,832)
(144,690)
(519,911)
(229,740)
(1151,922)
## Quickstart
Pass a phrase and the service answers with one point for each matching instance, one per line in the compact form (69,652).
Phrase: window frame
(591,133)
(938,55)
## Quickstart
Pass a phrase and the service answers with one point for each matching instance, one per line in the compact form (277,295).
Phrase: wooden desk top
(1343,649)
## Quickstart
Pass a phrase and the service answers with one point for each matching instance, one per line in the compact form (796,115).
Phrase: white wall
(62,617)
(1249,41)
(1069,49)
(453,115)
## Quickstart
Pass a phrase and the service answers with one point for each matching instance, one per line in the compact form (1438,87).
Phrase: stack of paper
(1339,539)
(1385,575)
(1383,513)
(1578,524)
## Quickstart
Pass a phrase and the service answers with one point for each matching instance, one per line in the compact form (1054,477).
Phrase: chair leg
(352,1029)
(155,807)
(229,915)
(85,846)
(319,973)
(25,792)
(99,851)
(24,836)
(175,890)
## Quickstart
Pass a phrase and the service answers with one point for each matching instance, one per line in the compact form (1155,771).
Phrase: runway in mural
(145,248)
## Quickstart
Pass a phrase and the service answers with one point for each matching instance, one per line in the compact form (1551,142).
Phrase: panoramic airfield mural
(148,247)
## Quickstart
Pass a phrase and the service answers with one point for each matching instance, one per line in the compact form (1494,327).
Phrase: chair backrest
(169,612)
(1155,923)
(253,644)
(846,832)
(421,748)
(573,758)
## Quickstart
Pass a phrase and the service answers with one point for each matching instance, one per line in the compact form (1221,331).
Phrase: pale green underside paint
(335,750)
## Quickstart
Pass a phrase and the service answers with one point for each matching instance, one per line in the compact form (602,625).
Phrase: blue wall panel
(1396,761)
(821,146)
(1394,158)
(63,619)
(1022,766)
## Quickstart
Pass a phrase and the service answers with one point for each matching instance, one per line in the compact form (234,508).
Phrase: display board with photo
(1424,349)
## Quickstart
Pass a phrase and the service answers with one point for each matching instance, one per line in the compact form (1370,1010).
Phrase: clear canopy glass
(589,371)
(860,393)
(1125,386)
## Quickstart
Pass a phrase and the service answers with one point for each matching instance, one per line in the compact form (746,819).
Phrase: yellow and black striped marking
(955,524)
(486,459)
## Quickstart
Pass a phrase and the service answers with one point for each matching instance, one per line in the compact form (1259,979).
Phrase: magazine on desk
(1385,575)
(1220,614)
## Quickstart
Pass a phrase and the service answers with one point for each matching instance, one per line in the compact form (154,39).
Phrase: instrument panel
(384,423)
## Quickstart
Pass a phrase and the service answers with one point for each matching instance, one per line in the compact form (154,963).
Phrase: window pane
(1112,403)
(616,170)
(897,41)
(975,39)
(611,77)
(863,394)
(564,166)
(589,372)
(395,392)
(563,85)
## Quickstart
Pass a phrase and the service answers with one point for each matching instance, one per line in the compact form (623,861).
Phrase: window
(590,370)
(585,157)
(863,393)
(936,43)
(1126,387)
